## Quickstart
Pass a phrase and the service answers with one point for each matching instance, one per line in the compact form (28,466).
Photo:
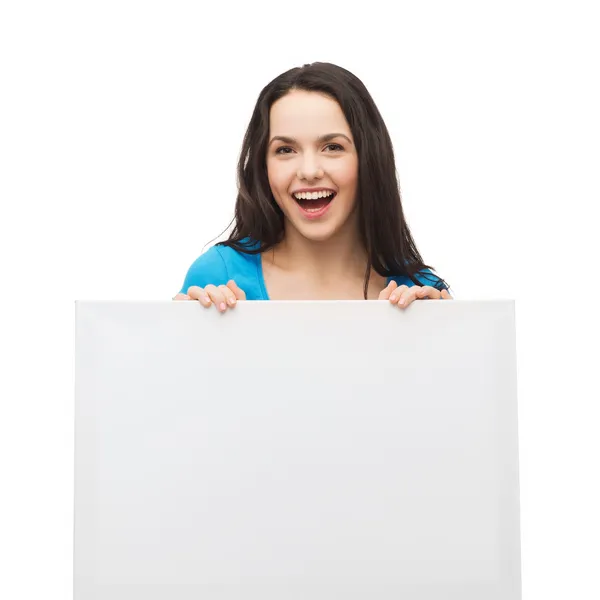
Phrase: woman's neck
(328,260)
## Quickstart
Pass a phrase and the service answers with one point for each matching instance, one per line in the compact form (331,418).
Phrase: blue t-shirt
(219,264)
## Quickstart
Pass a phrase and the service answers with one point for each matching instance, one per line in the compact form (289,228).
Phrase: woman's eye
(288,150)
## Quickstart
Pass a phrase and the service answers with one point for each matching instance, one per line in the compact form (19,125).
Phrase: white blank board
(296,450)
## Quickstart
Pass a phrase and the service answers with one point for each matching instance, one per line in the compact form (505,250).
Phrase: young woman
(318,213)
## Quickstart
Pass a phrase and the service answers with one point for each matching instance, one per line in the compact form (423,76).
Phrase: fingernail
(401,302)
(222,306)
(393,297)
(206,299)
(232,301)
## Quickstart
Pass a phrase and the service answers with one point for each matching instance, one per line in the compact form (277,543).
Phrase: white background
(120,128)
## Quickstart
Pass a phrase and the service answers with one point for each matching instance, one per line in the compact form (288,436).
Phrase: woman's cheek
(346,171)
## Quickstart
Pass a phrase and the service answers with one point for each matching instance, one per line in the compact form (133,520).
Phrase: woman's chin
(318,232)
(320,229)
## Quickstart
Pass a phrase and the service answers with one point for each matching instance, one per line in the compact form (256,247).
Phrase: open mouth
(314,204)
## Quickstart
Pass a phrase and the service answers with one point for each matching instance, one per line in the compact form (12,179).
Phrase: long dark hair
(384,232)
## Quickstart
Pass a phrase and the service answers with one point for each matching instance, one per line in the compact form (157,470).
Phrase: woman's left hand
(403,295)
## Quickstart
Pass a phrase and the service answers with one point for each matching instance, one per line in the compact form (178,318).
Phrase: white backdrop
(120,127)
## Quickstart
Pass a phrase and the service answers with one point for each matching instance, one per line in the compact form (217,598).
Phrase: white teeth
(312,195)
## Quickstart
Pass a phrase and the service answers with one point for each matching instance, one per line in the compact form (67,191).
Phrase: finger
(178,297)
(397,293)
(229,296)
(446,295)
(408,296)
(239,292)
(217,297)
(386,292)
(197,293)
(426,291)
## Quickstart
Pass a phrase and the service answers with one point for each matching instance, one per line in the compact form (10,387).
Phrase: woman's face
(311,147)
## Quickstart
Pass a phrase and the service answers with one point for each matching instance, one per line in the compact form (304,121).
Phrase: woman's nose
(310,169)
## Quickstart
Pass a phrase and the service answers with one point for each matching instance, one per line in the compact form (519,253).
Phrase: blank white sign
(296,450)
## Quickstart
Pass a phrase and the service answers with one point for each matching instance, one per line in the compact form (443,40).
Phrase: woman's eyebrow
(324,138)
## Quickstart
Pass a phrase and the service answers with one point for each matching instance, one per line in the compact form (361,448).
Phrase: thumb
(387,291)
(239,293)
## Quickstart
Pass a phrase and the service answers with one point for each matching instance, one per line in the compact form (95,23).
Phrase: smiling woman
(313,201)
(318,213)
(311,158)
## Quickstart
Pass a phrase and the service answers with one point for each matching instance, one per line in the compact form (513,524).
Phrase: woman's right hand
(223,296)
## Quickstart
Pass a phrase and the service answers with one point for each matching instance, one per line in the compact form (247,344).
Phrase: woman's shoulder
(219,264)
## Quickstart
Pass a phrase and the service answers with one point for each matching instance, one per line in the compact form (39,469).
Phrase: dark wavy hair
(259,221)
